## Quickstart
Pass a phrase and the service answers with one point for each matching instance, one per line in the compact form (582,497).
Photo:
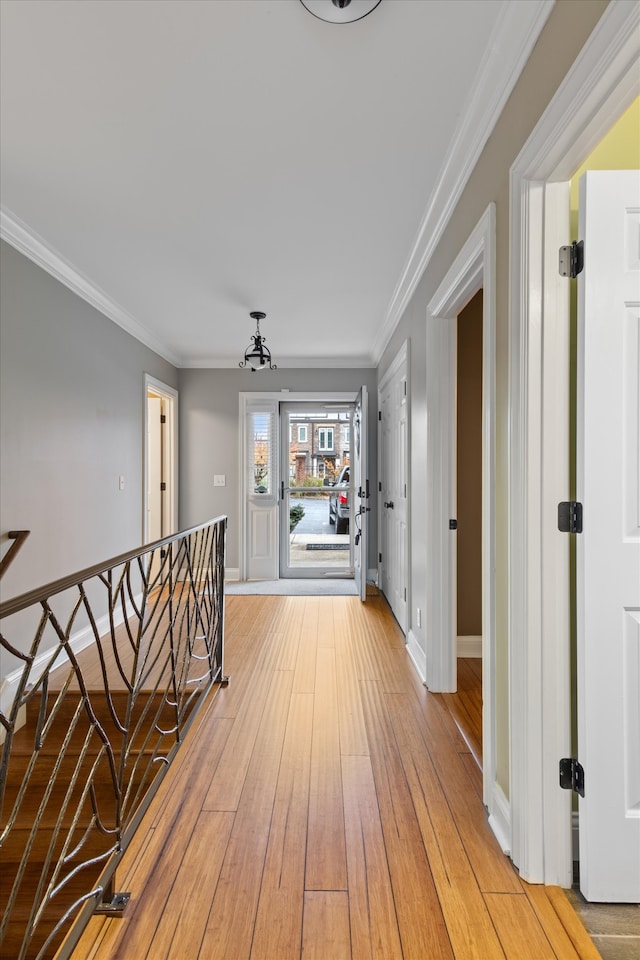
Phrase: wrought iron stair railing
(103,673)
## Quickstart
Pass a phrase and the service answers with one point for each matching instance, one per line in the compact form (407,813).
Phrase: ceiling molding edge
(25,241)
(517,30)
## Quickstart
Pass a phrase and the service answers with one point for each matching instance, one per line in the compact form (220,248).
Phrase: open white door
(361,489)
(608,551)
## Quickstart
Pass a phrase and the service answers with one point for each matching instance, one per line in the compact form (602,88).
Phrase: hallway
(325,805)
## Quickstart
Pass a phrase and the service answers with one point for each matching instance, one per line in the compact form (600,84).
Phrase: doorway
(468,699)
(327,428)
(317,490)
(473,270)
(160,506)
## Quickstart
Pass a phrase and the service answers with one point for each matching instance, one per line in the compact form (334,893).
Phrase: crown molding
(517,30)
(283,363)
(27,242)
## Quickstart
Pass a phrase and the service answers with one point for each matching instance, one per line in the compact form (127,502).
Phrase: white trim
(517,29)
(417,655)
(79,641)
(602,82)
(232,573)
(468,647)
(401,358)
(27,242)
(500,818)
(474,267)
(157,386)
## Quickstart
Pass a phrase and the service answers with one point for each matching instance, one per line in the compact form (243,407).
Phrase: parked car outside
(339,502)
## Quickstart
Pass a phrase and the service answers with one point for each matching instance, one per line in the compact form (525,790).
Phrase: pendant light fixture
(257,356)
(340,11)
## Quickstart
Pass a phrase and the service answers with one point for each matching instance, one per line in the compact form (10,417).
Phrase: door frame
(601,84)
(473,268)
(317,572)
(279,396)
(153,385)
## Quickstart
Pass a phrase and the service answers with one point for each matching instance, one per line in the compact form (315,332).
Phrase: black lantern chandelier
(257,356)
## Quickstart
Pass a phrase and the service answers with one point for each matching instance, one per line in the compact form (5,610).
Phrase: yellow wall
(618,150)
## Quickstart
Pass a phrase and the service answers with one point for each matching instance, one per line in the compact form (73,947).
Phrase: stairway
(76,820)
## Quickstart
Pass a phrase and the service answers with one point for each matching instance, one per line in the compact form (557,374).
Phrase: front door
(316,490)
(608,551)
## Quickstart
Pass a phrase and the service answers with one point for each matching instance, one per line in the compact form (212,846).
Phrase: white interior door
(608,551)
(394,462)
(361,491)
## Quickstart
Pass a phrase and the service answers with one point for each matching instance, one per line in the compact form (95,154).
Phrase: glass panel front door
(316,491)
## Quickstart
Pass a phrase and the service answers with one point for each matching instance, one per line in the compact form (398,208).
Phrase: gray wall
(71,422)
(209,437)
(560,42)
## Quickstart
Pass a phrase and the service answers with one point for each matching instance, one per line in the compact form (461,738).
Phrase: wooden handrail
(18,537)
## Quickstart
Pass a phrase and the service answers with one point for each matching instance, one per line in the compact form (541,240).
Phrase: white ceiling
(182,162)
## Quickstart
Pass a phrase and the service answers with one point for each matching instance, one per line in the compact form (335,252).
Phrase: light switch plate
(219,480)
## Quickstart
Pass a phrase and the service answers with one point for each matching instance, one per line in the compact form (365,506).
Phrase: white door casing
(360,486)
(599,87)
(393,460)
(608,550)
(473,268)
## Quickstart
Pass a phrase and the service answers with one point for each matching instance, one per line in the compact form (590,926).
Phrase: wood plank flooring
(326,805)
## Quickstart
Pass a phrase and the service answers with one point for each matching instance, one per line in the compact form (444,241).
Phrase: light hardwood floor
(325,805)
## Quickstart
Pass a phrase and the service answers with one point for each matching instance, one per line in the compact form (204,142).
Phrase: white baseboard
(500,818)
(417,654)
(79,641)
(469,647)
(232,573)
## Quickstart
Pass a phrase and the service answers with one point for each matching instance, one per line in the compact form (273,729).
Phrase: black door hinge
(570,516)
(572,775)
(379,486)
(379,558)
(163,418)
(571,260)
(379,414)
(453,524)
(163,486)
